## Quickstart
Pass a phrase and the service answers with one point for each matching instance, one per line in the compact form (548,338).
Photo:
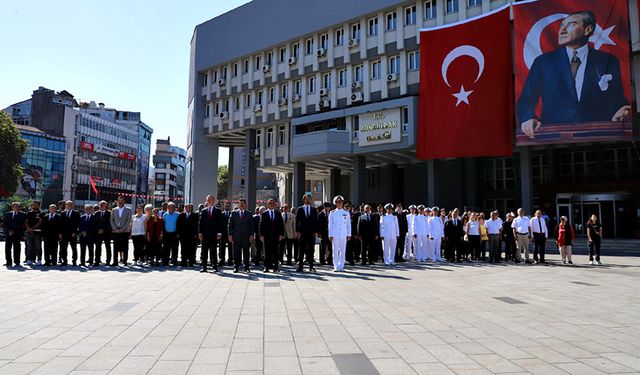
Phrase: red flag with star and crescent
(466,89)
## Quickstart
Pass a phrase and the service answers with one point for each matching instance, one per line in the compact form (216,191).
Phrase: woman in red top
(565,236)
(155,226)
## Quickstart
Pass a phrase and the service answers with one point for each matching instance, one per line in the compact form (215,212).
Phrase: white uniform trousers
(339,252)
(409,244)
(422,244)
(389,250)
(434,249)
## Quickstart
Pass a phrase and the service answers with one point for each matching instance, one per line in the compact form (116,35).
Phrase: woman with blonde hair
(138,232)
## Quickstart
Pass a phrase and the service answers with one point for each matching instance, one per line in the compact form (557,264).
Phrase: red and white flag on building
(93,185)
(466,89)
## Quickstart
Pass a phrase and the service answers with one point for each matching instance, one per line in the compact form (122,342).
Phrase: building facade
(303,99)
(168,165)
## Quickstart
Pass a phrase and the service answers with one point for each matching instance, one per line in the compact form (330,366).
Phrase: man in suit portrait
(271,233)
(306,232)
(120,229)
(240,235)
(103,224)
(70,222)
(209,233)
(87,231)
(14,226)
(188,235)
(576,83)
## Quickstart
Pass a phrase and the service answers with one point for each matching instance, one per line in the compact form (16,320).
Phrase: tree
(223,181)
(13,147)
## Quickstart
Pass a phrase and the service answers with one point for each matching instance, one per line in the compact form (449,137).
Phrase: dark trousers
(306,248)
(494,248)
(188,245)
(105,239)
(86,243)
(13,243)
(474,246)
(208,251)
(259,247)
(286,248)
(271,253)
(138,247)
(51,250)
(539,242)
(225,248)
(120,244)
(453,249)
(326,251)
(509,248)
(400,247)
(594,248)
(154,251)
(169,248)
(367,250)
(353,247)
(241,252)
(68,239)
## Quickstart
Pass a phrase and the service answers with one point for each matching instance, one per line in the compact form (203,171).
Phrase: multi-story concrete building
(168,166)
(300,93)
(266,186)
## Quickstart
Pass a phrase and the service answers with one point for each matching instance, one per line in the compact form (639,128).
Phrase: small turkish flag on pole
(93,185)
(466,89)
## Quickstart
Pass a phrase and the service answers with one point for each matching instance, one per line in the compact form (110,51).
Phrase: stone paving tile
(413,319)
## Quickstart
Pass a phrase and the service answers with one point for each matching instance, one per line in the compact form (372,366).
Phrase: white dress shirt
(539,225)
(436,227)
(493,226)
(521,225)
(138,227)
(583,54)
(410,219)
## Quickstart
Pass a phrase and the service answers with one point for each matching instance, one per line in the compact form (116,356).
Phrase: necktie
(306,211)
(285,217)
(575,65)
(271,214)
(14,215)
(540,224)
(68,214)
(368,217)
(209,211)
(241,214)
(187,215)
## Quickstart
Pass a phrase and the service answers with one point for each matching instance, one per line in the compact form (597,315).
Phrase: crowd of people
(272,236)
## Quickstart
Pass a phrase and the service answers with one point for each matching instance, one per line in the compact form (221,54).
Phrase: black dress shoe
(312,269)
(299,269)
(236,270)
(247,269)
(204,270)
(266,270)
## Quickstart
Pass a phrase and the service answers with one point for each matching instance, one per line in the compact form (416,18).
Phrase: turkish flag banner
(572,70)
(466,89)
(93,184)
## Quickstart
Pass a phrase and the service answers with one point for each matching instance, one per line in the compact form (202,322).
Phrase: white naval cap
(435,208)
(337,198)
(421,207)
(413,206)
(388,205)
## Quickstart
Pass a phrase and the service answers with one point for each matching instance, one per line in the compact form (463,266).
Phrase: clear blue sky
(129,54)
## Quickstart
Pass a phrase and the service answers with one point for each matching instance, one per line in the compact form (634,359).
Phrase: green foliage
(13,147)
(223,182)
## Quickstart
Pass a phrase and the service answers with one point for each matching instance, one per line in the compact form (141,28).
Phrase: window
(236,104)
(226,105)
(502,205)
(375,69)
(410,15)
(373,26)
(311,85)
(429,9)
(217,108)
(247,101)
(258,138)
(257,66)
(284,90)
(245,66)
(392,21)
(499,174)
(161,176)
(357,73)
(259,97)
(215,76)
(224,73)
(473,3)
(205,82)
(578,166)
(295,48)
(272,94)
(282,56)
(269,59)
(342,77)
(206,111)
(539,169)
(235,69)
(339,37)
(324,41)
(161,166)
(414,60)
(355,31)
(394,64)
(297,87)
(269,137)
(618,164)
(282,135)
(326,80)
(309,46)
(452,6)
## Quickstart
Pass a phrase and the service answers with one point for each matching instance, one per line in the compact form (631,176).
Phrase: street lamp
(91,162)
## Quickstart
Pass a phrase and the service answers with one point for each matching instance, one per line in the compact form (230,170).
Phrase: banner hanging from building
(572,71)
(466,89)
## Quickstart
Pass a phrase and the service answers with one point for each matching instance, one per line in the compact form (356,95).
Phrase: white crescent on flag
(465,50)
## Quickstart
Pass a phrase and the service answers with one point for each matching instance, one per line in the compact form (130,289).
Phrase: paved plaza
(408,319)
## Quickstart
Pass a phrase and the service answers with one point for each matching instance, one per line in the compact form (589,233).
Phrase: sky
(132,55)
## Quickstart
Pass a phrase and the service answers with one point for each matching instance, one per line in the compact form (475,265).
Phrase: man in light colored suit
(120,231)
(241,235)
(286,245)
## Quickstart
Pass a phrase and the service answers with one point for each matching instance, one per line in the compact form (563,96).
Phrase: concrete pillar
(526,188)
(431,183)
(204,169)
(298,179)
(231,174)
(358,180)
(250,170)
(334,182)
(288,189)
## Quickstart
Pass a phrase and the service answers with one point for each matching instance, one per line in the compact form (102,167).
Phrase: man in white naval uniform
(410,243)
(389,232)
(421,232)
(339,232)
(436,234)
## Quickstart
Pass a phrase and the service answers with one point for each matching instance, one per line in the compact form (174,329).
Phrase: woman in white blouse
(138,231)
(473,233)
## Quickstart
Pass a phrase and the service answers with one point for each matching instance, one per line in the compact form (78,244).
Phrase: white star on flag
(601,37)
(462,96)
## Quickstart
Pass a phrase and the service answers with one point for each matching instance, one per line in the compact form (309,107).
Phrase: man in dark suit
(258,246)
(225,246)
(575,82)
(70,221)
(306,232)
(453,233)
(14,227)
(326,250)
(240,235)
(87,232)
(271,233)
(403,225)
(103,225)
(52,233)
(209,233)
(188,235)
(368,233)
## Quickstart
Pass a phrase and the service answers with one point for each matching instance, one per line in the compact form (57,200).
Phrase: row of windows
(282,137)
(44,143)
(114,130)
(390,24)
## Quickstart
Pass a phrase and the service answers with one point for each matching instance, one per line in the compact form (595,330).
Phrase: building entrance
(612,209)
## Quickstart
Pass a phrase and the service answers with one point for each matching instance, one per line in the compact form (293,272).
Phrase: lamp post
(91,162)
